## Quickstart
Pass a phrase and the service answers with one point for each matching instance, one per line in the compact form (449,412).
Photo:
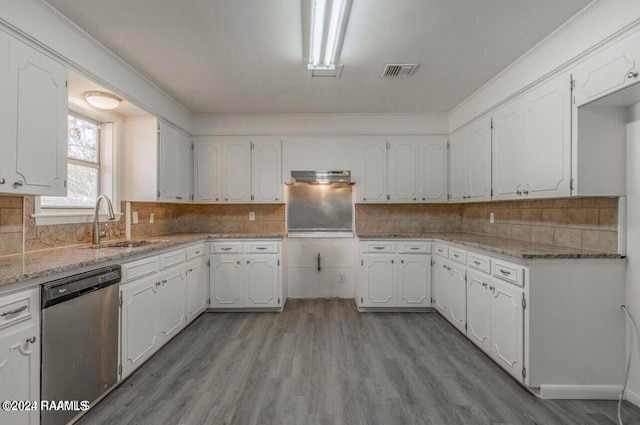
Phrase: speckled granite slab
(509,247)
(18,268)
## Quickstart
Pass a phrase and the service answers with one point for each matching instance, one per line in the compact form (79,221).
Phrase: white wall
(633,241)
(318,124)
(587,30)
(40,24)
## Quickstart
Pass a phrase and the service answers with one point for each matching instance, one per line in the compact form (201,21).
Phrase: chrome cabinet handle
(197,252)
(190,271)
(632,74)
(424,199)
(364,199)
(415,199)
(225,248)
(157,284)
(402,261)
(518,192)
(16,311)
(525,192)
(477,263)
(484,285)
(393,262)
(226,199)
(18,183)
(31,340)
(414,248)
(504,272)
(238,262)
(2,180)
(217,199)
(261,248)
(444,267)
(178,197)
(378,247)
(164,281)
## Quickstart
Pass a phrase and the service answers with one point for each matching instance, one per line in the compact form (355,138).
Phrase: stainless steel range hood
(320,177)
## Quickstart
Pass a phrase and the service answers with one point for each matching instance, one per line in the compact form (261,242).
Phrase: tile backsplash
(408,218)
(11,236)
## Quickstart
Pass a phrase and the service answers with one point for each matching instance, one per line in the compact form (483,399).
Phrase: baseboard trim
(580,392)
(632,397)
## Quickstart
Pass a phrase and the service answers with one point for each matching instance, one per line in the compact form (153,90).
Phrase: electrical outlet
(491,218)
(135,217)
(252,216)
(341,278)
(151,218)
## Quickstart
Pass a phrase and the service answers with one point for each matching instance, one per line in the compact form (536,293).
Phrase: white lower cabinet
(440,273)
(507,329)
(244,279)
(478,309)
(450,291)
(197,288)
(20,354)
(172,300)
(139,335)
(395,280)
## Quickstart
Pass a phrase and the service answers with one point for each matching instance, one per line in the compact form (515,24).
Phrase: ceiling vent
(399,70)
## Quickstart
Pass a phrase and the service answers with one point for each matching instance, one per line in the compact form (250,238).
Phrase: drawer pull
(414,248)
(456,255)
(504,272)
(31,340)
(378,248)
(477,263)
(197,252)
(226,248)
(261,248)
(16,311)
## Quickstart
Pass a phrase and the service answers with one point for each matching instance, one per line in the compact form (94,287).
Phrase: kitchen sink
(124,244)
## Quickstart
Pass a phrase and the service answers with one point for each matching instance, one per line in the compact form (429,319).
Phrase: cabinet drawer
(141,268)
(225,248)
(441,250)
(458,255)
(195,252)
(171,259)
(16,308)
(479,262)
(414,247)
(507,271)
(379,247)
(261,248)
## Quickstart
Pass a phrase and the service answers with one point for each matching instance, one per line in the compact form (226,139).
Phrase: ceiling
(246,56)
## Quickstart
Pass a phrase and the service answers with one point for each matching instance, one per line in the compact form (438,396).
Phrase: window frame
(110,136)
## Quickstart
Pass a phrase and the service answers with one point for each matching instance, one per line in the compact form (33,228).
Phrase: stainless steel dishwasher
(79,339)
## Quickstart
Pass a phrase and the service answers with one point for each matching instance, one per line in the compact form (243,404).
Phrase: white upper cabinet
(372,187)
(404,170)
(266,171)
(157,161)
(508,151)
(532,143)
(547,131)
(33,132)
(470,163)
(433,171)
(238,171)
(611,70)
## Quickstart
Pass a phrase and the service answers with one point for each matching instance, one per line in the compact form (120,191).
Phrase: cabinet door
(226,281)
(547,129)
(478,310)
(172,302)
(403,171)
(197,288)
(185,168)
(236,172)
(262,281)
(458,165)
(207,180)
(434,171)
(509,151)
(440,278)
(378,281)
(613,69)
(139,339)
(20,371)
(373,188)
(457,296)
(478,178)
(36,142)
(266,171)
(168,166)
(414,281)
(507,332)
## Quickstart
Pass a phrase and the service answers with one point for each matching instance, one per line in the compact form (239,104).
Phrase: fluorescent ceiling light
(328,24)
(102,100)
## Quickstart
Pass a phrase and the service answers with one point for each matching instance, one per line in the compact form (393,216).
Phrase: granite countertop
(22,267)
(509,247)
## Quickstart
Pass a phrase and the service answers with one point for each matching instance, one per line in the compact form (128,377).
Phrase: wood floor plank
(322,362)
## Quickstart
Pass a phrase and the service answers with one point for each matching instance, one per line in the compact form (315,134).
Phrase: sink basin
(124,244)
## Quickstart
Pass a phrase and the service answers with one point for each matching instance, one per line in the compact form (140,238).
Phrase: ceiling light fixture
(328,23)
(102,100)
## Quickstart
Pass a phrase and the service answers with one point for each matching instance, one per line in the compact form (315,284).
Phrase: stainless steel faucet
(97,234)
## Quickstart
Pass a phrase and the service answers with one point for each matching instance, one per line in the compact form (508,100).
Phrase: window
(83,174)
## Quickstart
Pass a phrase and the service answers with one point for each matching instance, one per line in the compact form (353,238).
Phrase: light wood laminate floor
(322,362)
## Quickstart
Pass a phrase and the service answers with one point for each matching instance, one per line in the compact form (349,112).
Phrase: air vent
(399,70)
